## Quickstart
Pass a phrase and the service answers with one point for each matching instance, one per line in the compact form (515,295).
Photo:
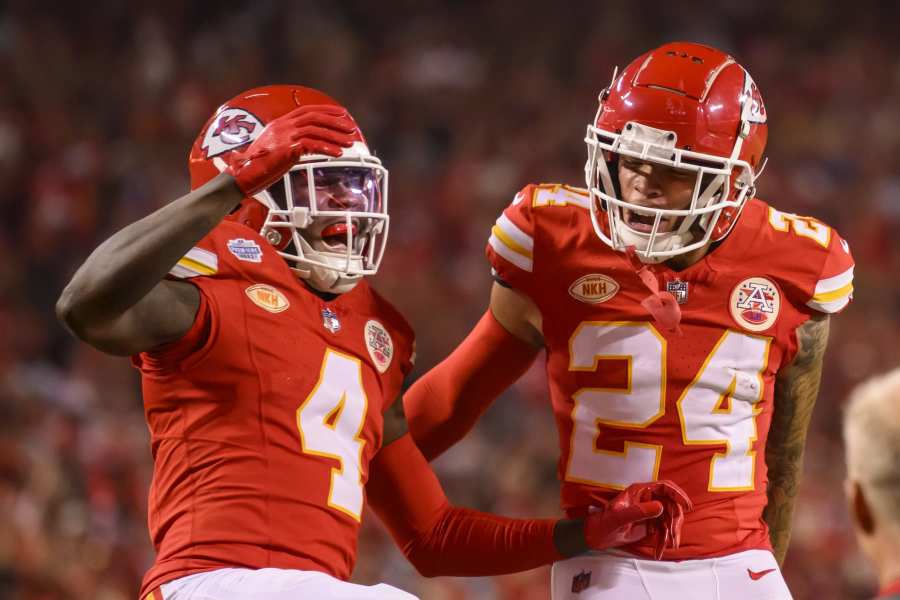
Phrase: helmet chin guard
(682,106)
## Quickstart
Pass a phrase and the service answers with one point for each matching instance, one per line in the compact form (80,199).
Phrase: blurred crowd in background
(465,102)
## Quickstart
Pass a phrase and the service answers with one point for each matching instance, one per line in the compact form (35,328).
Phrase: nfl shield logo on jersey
(581,582)
(330,320)
(679,289)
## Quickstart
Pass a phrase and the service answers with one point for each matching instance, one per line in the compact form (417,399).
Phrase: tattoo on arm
(796,390)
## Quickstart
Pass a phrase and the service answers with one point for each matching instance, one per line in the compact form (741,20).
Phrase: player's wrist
(570,537)
(222,193)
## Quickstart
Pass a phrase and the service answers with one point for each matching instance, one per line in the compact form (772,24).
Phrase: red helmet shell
(697,92)
(237,123)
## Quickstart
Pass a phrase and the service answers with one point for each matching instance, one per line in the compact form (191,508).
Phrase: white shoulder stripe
(519,236)
(182,272)
(834,283)
(515,258)
(204,257)
(829,307)
(196,262)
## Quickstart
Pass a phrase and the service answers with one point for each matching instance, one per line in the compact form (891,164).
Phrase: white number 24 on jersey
(718,408)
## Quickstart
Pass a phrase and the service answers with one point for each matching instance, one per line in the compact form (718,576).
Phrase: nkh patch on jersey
(267,298)
(231,128)
(593,288)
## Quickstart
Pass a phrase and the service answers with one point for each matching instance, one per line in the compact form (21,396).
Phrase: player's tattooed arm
(118,300)
(796,390)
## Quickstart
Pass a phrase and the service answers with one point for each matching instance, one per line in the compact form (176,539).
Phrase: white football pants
(748,575)
(273,584)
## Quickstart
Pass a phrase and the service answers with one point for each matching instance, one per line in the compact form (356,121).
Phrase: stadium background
(465,102)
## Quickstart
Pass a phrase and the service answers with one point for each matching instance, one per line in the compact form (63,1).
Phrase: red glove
(668,528)
(655,508)
(313,129)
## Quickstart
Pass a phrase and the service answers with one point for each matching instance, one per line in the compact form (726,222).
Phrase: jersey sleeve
(186,351)
(510,247)
(198,263)
(834,288)
(200,260)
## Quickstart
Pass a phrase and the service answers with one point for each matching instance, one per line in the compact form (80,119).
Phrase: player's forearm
(796,390)
(440,539)
(782,492)
(467,543)
(444,404)
(125,267)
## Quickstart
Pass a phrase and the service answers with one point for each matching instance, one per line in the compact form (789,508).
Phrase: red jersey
(264,416)
(633,403)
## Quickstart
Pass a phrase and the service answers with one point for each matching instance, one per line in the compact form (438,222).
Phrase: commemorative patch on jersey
(594,288)
(230,129)
(755,303)
(267,298)
(379,344)
(246,250)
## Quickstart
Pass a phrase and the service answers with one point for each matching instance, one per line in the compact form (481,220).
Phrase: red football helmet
(328,216)
(684,106)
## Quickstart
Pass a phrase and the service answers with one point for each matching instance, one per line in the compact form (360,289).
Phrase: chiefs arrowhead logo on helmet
(231,128)
(754,111)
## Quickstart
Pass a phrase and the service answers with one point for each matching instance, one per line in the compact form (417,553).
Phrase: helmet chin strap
(640,242)
(322,278)
(331,282)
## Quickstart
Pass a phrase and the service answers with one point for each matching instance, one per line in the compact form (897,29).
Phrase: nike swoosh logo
(755,575)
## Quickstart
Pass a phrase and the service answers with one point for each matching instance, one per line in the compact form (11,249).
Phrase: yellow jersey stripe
(512,230)
(198,267)
(833,283)
(826,297)
(526,264)
(830,307)
(510,243)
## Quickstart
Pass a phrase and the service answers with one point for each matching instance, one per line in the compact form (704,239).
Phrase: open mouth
(335,235)
(644,223)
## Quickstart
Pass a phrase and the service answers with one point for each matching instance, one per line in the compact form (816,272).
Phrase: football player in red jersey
(270,371)
(684,322)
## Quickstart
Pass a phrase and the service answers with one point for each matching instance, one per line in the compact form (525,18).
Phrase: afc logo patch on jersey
(379,344)
(755,303)
(246,250)
(267,298)
(594,288)
(231,128)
